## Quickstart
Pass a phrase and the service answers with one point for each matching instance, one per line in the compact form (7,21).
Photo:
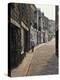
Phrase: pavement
(51,68)
(41,62)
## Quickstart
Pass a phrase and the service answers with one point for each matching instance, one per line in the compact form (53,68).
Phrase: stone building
(25,24)
(42,23)
(45,28)
(33,28)
(38,26)
(14,35)
(51,29)
(33,36)
(19,23)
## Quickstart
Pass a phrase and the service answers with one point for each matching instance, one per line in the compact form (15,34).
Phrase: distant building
(45,28)
(38,26)
(42,24)
(51,29)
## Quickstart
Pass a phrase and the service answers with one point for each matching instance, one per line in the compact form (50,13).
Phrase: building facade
(19,35)
(38,26)
(33,27)
(51,29)
(14,33)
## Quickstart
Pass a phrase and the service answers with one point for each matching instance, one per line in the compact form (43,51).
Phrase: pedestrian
(32,44)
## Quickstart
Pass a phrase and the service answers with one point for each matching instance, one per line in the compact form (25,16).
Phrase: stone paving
(42,61)
(52,67)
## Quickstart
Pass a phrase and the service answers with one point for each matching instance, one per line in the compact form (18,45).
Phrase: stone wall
(19,18)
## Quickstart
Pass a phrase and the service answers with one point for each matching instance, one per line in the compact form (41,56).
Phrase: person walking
(32,44)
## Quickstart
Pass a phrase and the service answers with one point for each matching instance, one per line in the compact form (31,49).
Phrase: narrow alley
(33,40)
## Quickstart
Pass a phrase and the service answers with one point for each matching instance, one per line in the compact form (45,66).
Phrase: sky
(49,10)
